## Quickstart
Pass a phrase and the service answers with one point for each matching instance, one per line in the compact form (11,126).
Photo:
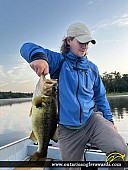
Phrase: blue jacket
(80,87)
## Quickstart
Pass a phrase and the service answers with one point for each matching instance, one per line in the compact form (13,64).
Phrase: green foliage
(114,82)
(9,95)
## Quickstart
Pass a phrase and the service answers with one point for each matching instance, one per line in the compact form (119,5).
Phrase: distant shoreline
(21,100)
(14,100)
(117,94)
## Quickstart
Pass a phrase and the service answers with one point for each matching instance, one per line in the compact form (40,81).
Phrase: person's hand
(40,67)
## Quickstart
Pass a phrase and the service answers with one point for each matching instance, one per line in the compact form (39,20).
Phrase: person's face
(79,49)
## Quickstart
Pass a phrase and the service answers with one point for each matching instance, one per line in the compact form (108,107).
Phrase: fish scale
(44,116)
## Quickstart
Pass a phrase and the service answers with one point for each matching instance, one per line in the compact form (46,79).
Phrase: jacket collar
(73,58)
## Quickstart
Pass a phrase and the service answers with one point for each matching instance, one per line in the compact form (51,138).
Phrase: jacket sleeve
(31,52)
(100,98)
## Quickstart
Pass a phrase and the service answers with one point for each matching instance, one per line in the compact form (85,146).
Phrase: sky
(45,23)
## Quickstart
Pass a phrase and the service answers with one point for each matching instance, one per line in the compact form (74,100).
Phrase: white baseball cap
(81,32)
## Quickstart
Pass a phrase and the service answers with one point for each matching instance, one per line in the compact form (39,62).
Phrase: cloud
(24,81)
(2,84)
(119,21)
(93,2)
(109,41)
(122,21)
(90,2)
(2,72)
(17,77)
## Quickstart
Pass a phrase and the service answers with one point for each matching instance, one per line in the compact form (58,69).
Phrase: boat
(21,150)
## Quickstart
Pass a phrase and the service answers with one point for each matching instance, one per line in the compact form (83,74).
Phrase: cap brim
(84,39)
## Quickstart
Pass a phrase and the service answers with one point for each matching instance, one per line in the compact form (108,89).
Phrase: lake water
(15,122)
(119,108)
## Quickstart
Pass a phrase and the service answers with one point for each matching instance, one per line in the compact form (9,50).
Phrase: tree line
(114,82)
(9,95)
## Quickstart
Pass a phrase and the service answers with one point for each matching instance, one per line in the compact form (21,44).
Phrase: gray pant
(97,131)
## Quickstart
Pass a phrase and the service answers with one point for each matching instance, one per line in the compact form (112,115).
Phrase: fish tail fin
(37,160)
(37,157)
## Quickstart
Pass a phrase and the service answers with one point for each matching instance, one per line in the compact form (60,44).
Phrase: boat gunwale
(13,143)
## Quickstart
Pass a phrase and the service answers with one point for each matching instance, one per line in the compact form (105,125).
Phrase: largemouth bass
(44,116)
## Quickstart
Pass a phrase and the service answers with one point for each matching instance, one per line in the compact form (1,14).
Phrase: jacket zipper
(77,93)
(86,79)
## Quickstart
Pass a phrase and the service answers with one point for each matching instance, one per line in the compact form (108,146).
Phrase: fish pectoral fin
(30,112)
(55,136)
(33,138)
